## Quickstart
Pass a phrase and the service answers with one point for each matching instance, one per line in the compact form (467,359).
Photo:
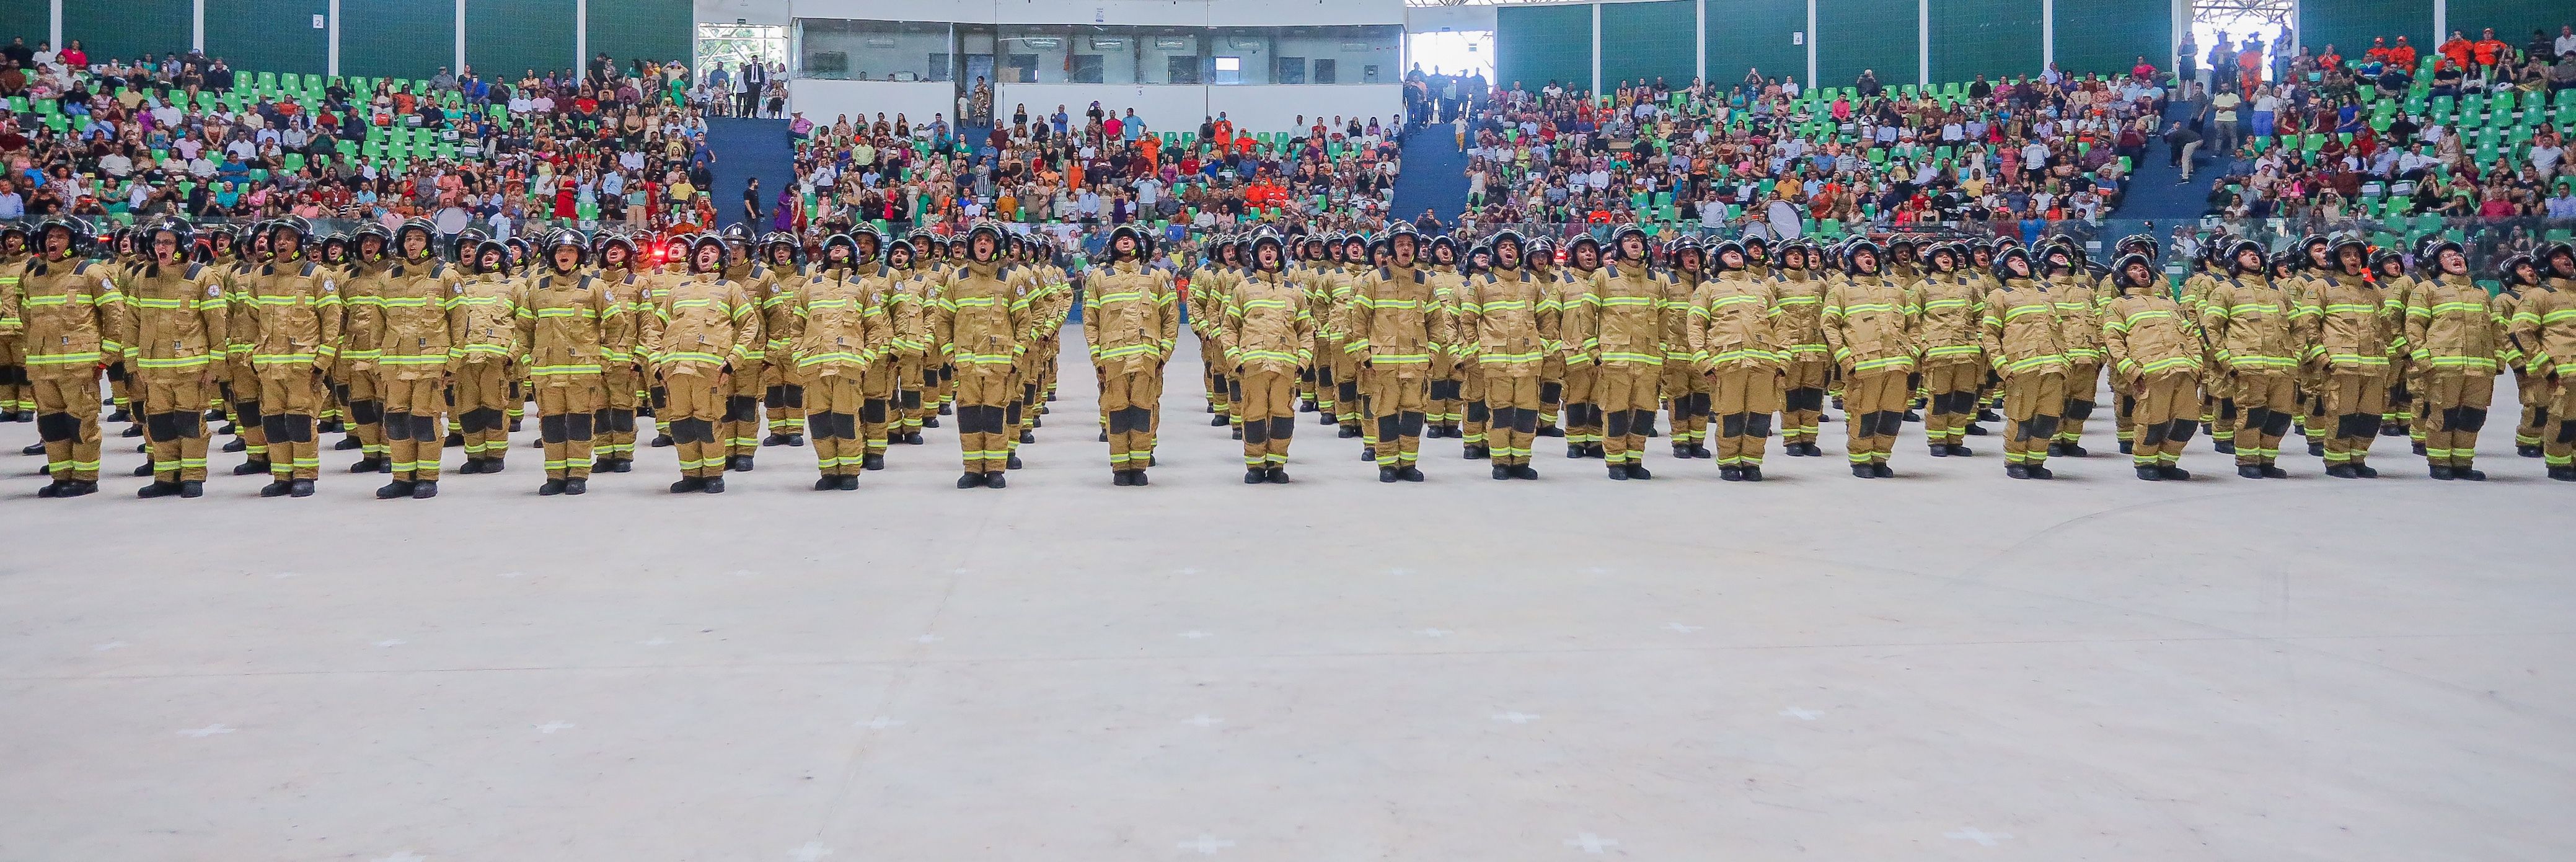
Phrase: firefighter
(2348,325)
(2455,334)
(484,319)
(1266,335)
(1475,421)
(2544,324)
(1621,322)
(1808,371)
(16,403)
(878,287)
(567,318)
(294,329)
(704,329)
(1208,285)
(1735,342)
(917,356)
(2317,273)
(984,325)
(2025,344)
(739,427)
(2150,340)
(1574,284)
(361,288)
(1873,326)
(1342,284)
(337,258)
(2521,274)
(406,317)
(1317,260)
(172,329)
(2251,322)
(1954,365)
(2062,273)
(2107,288)
(65,310)
(1444,412)
(621,278)
(837,330)
(249,422)
(780,393)
(1685,383)
(2405,377)
(1396,326)
(1509,319)
(120,264)
(1130,323)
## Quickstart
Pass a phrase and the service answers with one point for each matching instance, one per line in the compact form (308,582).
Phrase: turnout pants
(173,412)
(877,413)
(1625,395)
(1269,415)
(366,420)
(1396,401)
(692,405)
(2083,385)
(738,427)
(483,400)
(2534,394)
(984,395)
(1583,415)
(2162,416)
(616,424)
(413,441)
(1130,399)
(1802,399)
(2353,402)
(1874,407)
(567,419)
(1512,402)
(1743,398)
(67,419)
(2267,404)
(292,402)
(2455,409)
(834,404)
(1686,394)
(1950,391)
(785,399)
(2032,400)
(250,420)
(2559,446)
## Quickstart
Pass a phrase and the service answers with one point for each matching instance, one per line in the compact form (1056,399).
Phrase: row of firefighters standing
(378,332)
(1493,342)
(383,337)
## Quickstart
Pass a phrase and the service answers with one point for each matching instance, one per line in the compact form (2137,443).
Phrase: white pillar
(2047,32)
(581,39)
(1699,36)
(197,25)
(1922,42)
(1810,37)
(1596,50)
(334,63)
(2441,22)
(55,36)
(458,66)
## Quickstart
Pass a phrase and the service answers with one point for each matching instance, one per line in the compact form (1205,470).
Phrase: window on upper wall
(1292,70)
(1229,70)
(1324,71)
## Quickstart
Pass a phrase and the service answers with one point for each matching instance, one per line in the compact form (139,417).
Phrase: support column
(197,26)
(2441,23)
(1596,51)
(2047,32)
(333,64)
(1922,42)
(56,35)
(458,65)
(1810,37)
(1699,37)
(581,40)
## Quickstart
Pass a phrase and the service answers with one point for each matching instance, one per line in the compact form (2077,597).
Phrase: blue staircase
(1434,176)
(2153,192)
(744,149)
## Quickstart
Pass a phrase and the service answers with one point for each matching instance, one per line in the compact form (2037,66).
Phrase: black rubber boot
(422,490)
(394,489)
(576,487)
(550,488)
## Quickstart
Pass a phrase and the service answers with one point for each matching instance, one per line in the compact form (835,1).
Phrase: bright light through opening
(1451,52)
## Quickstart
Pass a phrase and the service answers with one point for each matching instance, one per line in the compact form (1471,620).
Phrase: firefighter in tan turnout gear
(172,332)
(2456,335)
(567,319)
(1735,342)
(293,311)
(1130,322)
(1621,321)
(2024,342)
(699,327)
(838,334)
(1265,338)
(64,310)
(1508,325)
(2157,347)
(981,319)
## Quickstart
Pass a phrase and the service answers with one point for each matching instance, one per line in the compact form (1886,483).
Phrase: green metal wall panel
(2350,25)
(269,35)
(2513,20)
(128,29)
(1866,34)
(657,30)
(2110,35)
(1755,35)
(32,20)
(395,38)
(512,37)
(1994,38)
(1643,41)
(1537,44)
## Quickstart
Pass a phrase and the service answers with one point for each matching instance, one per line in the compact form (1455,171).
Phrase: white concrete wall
(822,101)
(1188,13)
(1179,107)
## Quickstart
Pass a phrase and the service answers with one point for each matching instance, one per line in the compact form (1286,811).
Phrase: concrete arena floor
(1950,665)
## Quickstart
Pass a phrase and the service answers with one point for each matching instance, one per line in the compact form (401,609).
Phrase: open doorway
(1462,53)
(2223,31)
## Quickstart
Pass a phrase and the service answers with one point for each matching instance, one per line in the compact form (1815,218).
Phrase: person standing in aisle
(984,323)
(1266,334)
(2455,333)
(837,331)
(2025,344)
(566,320)
(172,331)
(485,323)
(295,335)
(1736,344)
(703,328)
(1873,326)
(65,309)
(1130,321)
(1508,325)
(2349,326)
(2153,342)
